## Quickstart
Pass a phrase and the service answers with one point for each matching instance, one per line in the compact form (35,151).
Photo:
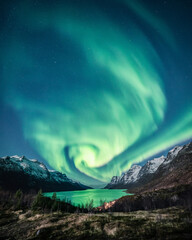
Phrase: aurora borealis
(96,85)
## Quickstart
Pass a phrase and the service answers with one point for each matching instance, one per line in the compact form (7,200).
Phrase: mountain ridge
(162,172)
(30,174)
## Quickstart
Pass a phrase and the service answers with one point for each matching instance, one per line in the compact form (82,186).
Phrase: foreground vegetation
(171,223)
(33,216)
(157,199)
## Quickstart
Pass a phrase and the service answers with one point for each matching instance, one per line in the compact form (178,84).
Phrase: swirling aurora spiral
(99,122)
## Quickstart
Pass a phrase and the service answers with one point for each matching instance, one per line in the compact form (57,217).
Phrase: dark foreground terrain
(160,207)
(169,223)
(163,198)
(162,214)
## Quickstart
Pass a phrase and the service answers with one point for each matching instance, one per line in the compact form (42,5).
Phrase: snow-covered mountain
(31,167)
(115,180)
(137,175)
(172,154)
(151,166)
(126,178)
(131,175)
(21,172)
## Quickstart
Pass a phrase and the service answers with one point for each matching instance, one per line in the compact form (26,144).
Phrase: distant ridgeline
(29,174)
(163,172)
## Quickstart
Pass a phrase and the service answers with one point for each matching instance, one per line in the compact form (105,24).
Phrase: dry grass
(134,225)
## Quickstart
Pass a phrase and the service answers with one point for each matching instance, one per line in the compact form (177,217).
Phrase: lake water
(85,196)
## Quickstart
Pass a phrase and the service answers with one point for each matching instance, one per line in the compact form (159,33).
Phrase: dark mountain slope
(19,172)
(163,172)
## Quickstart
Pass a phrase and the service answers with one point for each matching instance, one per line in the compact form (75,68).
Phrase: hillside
(165,172)
(30,174)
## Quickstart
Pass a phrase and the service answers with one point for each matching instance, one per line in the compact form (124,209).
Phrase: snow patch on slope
(131,175)
(34,168)
(115,180)
(172,154)
(151,166)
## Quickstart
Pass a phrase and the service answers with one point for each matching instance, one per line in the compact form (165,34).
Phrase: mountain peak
(151,166)
(32,174)
(172,154)
(158,167)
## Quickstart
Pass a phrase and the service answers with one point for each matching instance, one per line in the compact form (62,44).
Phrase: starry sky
(91,87)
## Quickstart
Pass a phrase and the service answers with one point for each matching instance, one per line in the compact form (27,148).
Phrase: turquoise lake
(85,196)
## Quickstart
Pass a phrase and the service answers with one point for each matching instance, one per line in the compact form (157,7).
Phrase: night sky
(91,87)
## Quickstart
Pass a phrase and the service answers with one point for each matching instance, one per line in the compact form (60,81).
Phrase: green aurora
(90,91)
